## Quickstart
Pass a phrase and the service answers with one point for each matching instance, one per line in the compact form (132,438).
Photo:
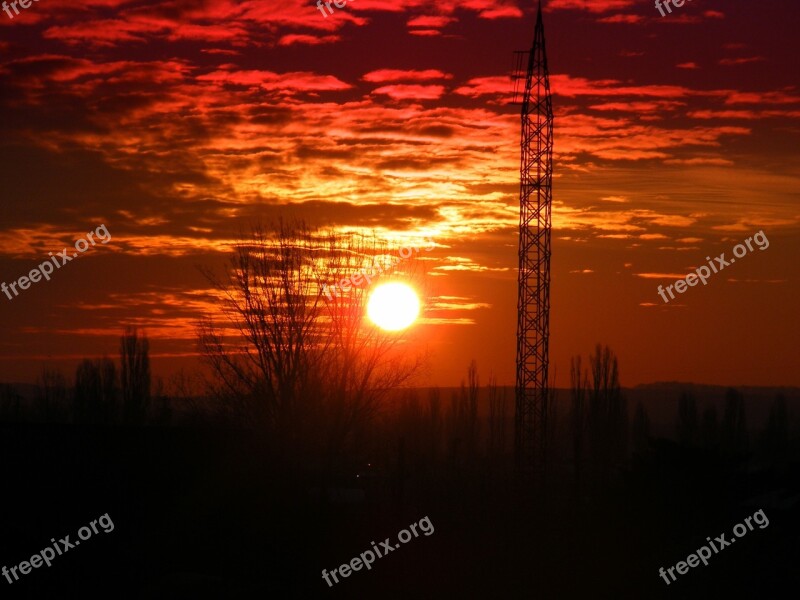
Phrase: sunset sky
(180,124)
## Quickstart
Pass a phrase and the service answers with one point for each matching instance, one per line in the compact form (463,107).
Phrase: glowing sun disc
(393,306)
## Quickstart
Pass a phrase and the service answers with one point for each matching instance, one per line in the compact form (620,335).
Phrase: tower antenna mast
(533,303)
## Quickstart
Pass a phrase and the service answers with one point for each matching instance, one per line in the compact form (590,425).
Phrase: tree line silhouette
(102,393)
(327,391)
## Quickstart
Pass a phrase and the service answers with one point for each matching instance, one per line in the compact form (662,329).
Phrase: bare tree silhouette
(134,375)
(51,398)
(579,384)
(472,425)
(608,416)
(10,402)
(734,425)
(496,422)
(95,395)
(774,442)
(308,370)
(709,429)
(435,424)
(687,425)
(640,429)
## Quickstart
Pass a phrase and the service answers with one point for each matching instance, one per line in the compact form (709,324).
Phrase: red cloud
(622,19)
(480,86)
(311,40)
(298,81)
(411,92)
(595,6)
(740,61)
(430,21)
(383,75)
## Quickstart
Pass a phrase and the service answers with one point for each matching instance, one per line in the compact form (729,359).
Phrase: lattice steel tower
(533,305)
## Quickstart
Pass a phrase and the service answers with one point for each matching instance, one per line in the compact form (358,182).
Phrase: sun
(393,306)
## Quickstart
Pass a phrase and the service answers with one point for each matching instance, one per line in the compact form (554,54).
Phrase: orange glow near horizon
(188,123)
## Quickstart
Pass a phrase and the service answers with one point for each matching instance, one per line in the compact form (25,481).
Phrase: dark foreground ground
(200,514)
